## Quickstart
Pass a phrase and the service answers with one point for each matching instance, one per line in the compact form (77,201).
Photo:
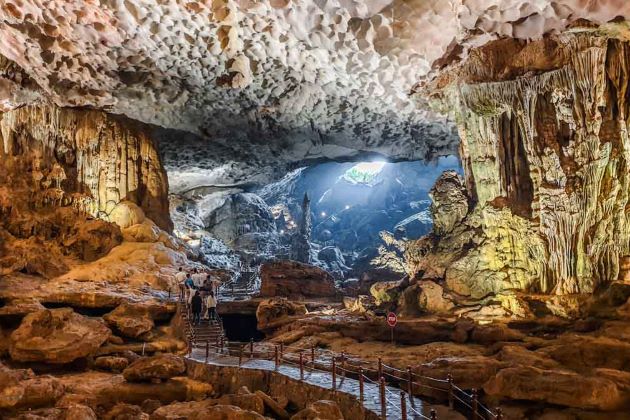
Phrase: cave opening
(241,327)
(350,206)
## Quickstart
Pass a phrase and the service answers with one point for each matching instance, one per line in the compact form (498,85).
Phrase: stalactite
(89,157)
(573,175)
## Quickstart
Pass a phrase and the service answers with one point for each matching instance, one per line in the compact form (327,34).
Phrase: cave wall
(546,158)
(86,159)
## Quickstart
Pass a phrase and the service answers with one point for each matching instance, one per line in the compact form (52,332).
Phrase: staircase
(241,288)
(205,331)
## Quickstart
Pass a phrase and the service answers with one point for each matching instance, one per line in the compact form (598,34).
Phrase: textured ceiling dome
(270,82)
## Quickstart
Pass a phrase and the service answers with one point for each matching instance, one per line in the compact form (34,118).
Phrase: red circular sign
(392,319)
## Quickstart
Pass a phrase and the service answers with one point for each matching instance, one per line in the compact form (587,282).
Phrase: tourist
(214,284)
(211,305)
(180,278)
(198,278)
(190,286)
(196,304)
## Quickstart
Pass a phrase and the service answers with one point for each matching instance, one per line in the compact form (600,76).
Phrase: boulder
(79,412)
(111,363)
(160,367)
(11,388)
(295,279)
(122,411)
(130,320)
(41,391)
(56,336)
(126,214)
(386,292)
(431,298)
(20,307)
(273,405)
(273,313)
(147,231)
(584,352)
(203,410)
(320,410)
(552,386)
(424,297)
(250,402)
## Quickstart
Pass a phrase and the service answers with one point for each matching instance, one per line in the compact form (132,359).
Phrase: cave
(428,198)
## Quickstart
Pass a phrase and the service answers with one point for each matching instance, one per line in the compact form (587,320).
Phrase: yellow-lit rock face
(96,163)
(546,159)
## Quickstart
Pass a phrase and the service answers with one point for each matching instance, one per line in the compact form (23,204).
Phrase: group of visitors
(200,291)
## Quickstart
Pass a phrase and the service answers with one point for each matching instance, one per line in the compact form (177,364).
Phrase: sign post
(392,320)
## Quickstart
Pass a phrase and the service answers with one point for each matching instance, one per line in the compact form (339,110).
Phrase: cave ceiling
(243,90)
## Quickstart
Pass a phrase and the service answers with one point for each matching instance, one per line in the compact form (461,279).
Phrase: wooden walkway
(416,408)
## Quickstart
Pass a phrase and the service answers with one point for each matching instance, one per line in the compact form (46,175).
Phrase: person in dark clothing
(195,307)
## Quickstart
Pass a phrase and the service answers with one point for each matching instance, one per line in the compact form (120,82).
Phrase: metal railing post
(343,364)
(383,399)
(313,356)
(251,348)
(380,367)
(361,385)
(451,391)
(301,366)
(222,343)
(475,404)
(276,357)
(240,356)
(499,414)
(433,414)
(207,350)
(403,406)
(334,373)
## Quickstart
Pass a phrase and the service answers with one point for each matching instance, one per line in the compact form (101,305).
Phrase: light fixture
(347,207)
(281,231)
(323,214)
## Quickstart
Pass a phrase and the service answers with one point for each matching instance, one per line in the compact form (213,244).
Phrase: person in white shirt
(211,307)
(180,278)
(198,278)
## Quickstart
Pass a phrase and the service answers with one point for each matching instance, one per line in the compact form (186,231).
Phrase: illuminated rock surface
(546,166)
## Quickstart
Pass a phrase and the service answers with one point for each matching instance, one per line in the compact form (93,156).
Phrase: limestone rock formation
(88,160)
(130,320)
(323,410)
(239,214)
(163,366)
(295,279)
(111,363)
(546,167)
(300,242)
(56,336)
(272,313)
(449,202)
